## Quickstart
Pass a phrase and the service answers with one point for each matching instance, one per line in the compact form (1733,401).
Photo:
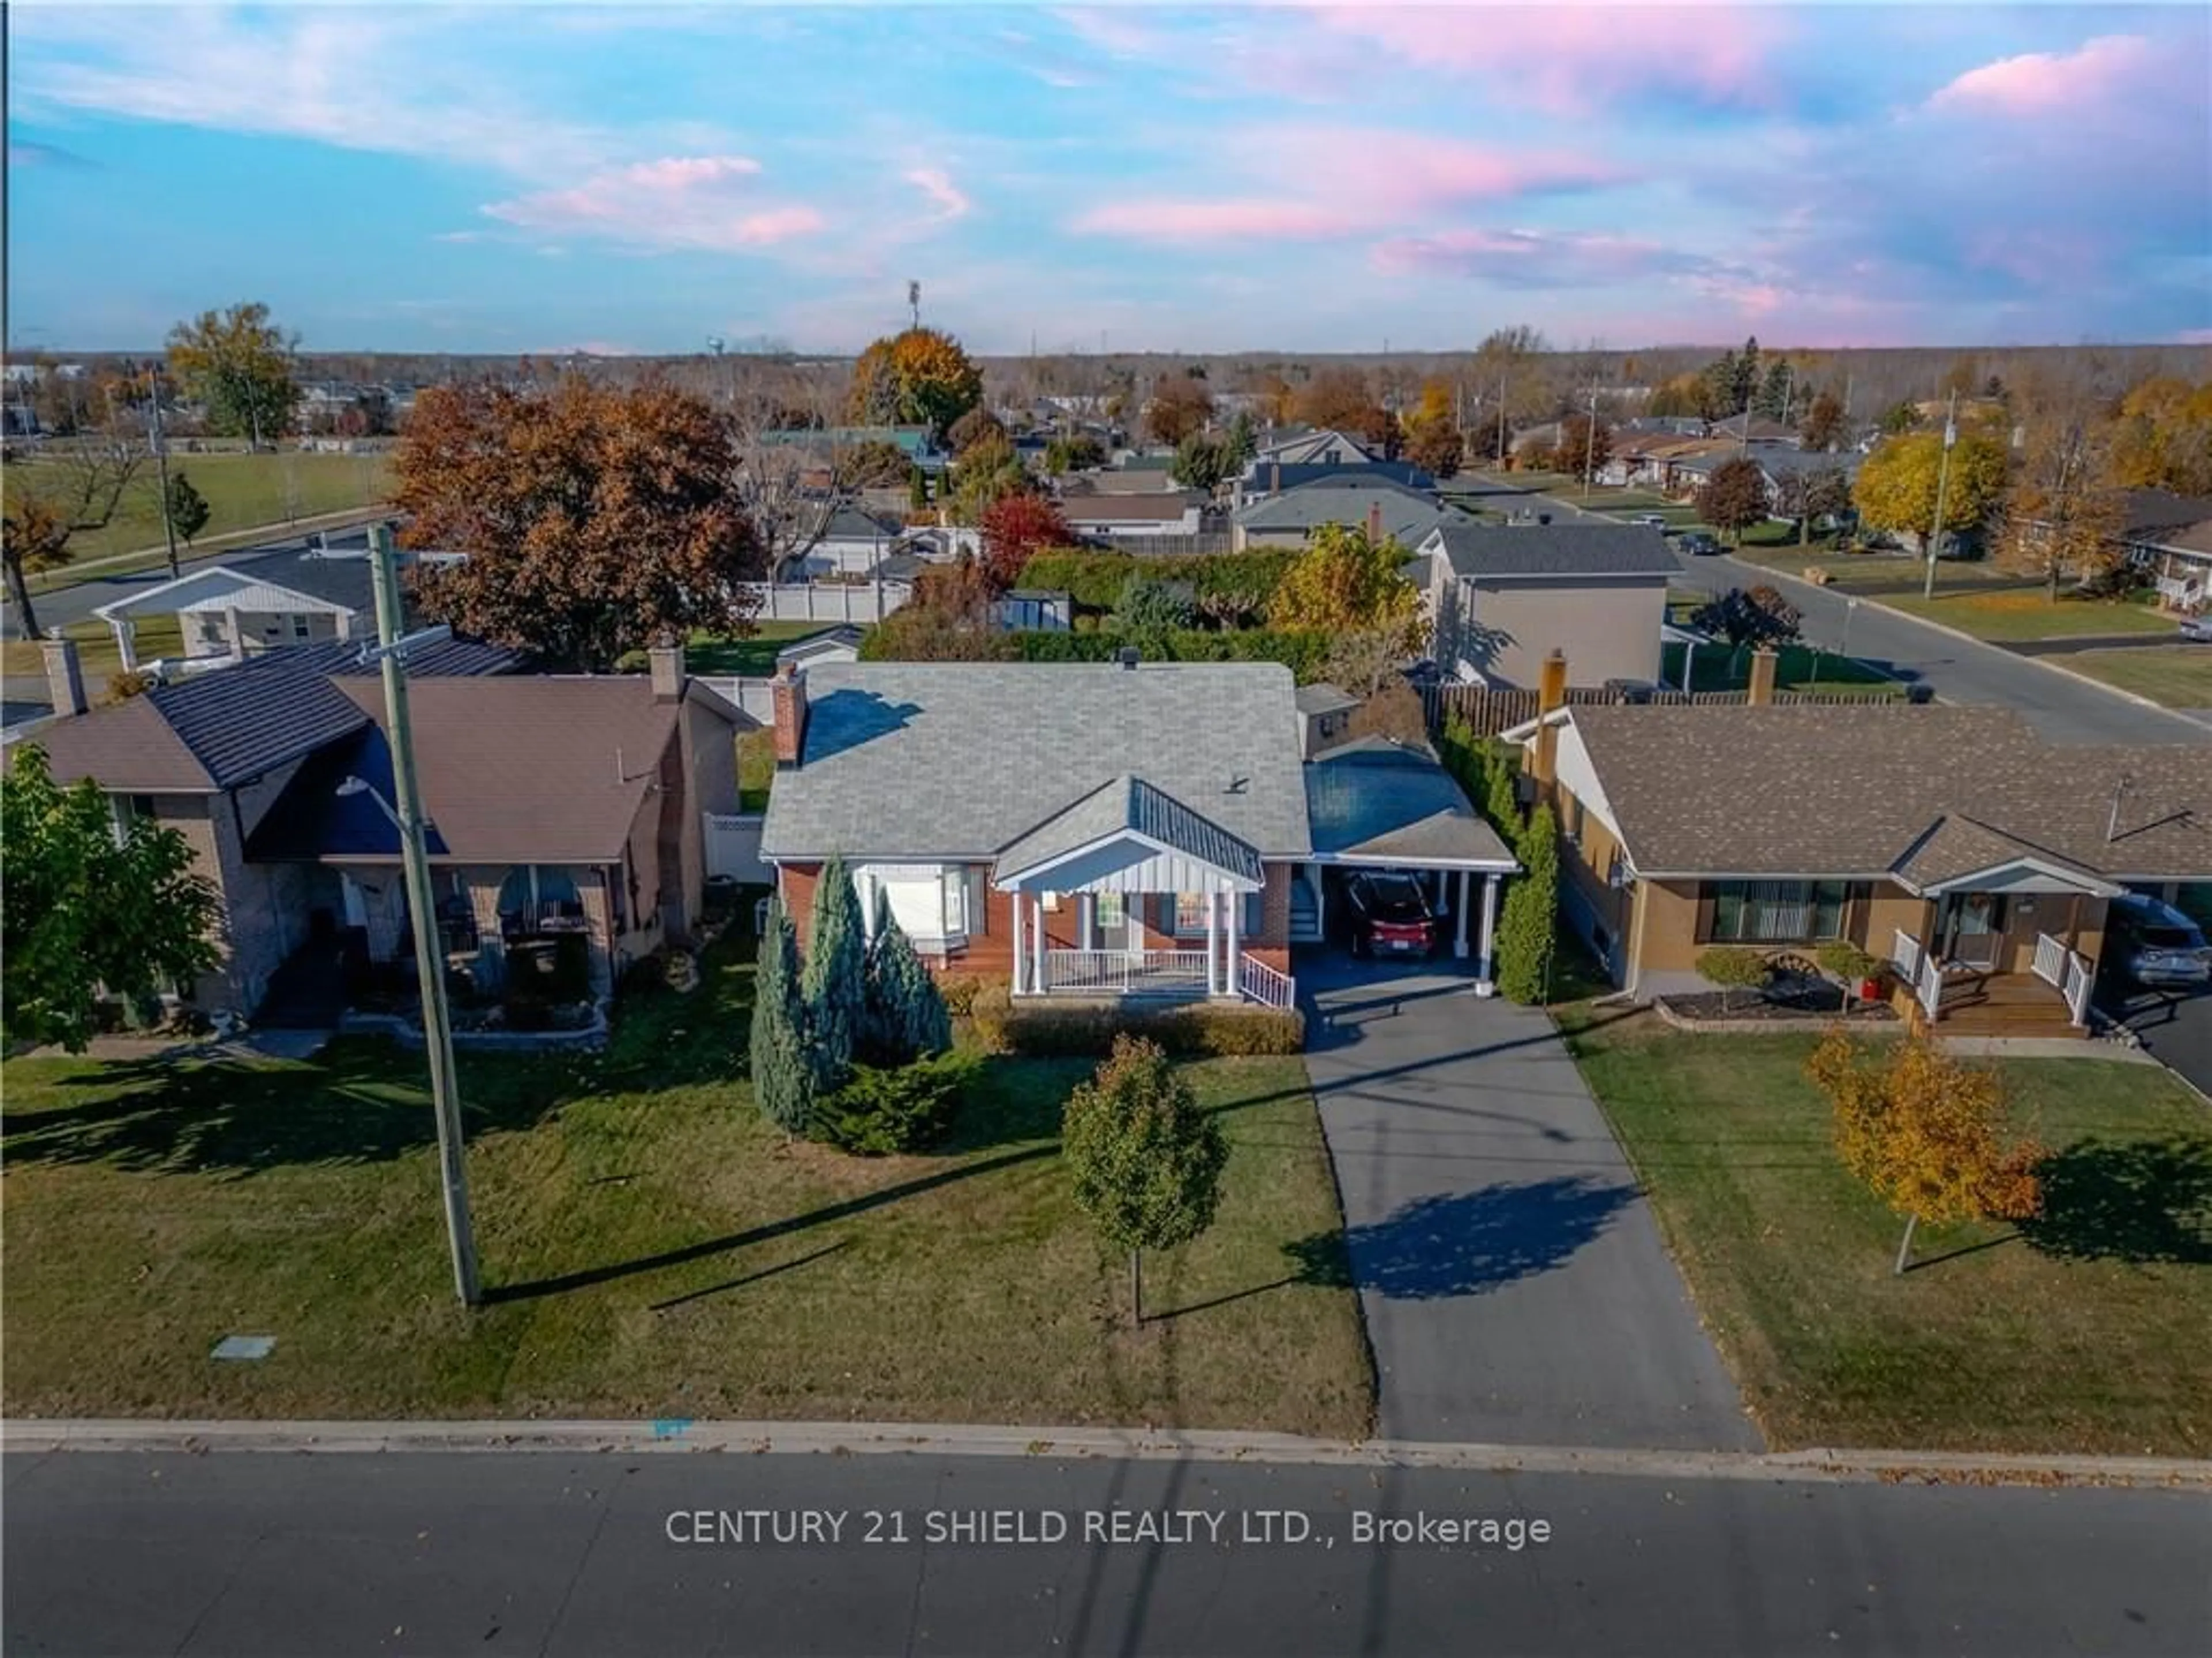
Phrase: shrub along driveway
(652,1249)
(1513,1281)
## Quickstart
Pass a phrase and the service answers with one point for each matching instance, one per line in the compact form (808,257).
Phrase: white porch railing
(2050,962)
(1930,988)
(1264,985)
(1126,972)
(1904,954)
(2079,976)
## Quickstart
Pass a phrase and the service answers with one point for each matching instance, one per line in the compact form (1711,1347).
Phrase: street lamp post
(1942,488)
(406,814)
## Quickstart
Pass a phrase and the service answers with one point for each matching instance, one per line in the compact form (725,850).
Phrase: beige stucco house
(1502,597)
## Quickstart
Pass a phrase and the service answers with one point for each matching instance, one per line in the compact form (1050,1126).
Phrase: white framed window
(299,628)
(928,901)
(1190,912)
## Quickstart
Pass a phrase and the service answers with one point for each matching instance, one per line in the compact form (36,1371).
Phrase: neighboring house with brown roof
(557,806)
(1952,842)
(2169,537)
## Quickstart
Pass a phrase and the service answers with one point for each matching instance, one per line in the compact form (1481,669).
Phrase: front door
(1975,934)
(1112,917)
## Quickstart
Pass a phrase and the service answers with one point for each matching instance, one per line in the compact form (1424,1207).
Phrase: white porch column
(1212,942)
(126,641)
(1233,901)
(1086,919)
(1021,977)
(1466,892)
(1037,957)
(1484,985)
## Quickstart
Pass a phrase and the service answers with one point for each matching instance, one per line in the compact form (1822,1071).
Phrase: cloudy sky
(1299,176)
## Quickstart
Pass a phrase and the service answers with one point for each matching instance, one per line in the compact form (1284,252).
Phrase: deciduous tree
(1822,428)
(973,428)
(920,377)
(949,618)
(2164,439)
(1146,1162)
(238,364)
(1757,616)
(2061,516)
(783,1081)
(988,474)
(1811,492)
(1585,445)
(595,518)
(1016,528)
(1926,1133)
(1345,583)
(87,909)
(1202,462)
(1339,398)
(1897,486)
(1734,497)
(1179,407)
(1734,967)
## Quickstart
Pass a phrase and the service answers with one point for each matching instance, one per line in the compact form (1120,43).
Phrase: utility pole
(914,303)
(1501,424)
(1942,487)
(1589,443)
(429,959)
(160,448)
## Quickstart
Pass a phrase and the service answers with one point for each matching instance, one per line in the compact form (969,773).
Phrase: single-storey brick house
(558,805)
(1954,843)
(1121,828)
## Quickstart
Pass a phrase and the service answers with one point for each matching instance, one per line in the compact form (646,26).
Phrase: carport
(1377,803)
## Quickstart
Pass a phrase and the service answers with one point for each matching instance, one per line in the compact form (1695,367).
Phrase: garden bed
(1821,1003)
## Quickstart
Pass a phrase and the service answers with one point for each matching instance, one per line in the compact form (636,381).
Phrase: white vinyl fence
(754,697)
(734,848)
(830,601)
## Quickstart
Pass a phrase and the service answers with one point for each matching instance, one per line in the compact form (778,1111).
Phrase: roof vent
(1239,784)
(1126,656)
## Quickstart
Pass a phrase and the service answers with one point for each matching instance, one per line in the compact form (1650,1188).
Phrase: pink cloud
(1575,58)
(1372,181)
(1537,259)
(936,183)
(2046,83)
(691,202)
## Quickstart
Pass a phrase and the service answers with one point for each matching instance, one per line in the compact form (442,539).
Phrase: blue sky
(1301,177)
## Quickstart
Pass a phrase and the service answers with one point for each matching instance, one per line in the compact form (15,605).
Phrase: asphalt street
(63,605)
(486,1552)
(2174,1026)
(1510,1271)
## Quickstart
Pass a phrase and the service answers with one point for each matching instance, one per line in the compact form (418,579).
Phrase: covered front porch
(1998,963)
(1165,905)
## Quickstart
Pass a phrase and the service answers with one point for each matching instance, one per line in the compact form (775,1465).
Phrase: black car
(1699,544)
(1390,915)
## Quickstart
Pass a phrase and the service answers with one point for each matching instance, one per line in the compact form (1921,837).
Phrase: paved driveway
(2175,1026)
(1511,1275)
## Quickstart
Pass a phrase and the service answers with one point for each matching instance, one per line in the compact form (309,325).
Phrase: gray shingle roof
(1378,799)
(960,760)
(1534,551)
(1863,791)
(1406,515)
(1324,698)
(1130,804)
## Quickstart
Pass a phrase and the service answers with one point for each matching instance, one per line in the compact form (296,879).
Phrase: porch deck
(1163,976)
(1958,999)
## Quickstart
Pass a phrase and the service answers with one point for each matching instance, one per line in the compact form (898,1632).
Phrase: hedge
(1094,580)
(1304,653)
(1197,1029)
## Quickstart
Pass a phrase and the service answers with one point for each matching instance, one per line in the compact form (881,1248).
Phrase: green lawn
(651,1247)
(243,492)
(2083,1332)
(2029,613)
(2177,675)
(755,768)
(156,636)
(752,657)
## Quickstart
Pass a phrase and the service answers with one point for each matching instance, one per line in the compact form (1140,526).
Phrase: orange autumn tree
(1926,1133)
(918,376)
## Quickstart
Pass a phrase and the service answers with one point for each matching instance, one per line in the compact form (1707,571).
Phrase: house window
(1190,912)
(1778,912)
(211,628)
(929,902)
(299,628)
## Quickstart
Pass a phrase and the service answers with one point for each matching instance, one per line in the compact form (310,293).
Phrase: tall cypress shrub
(906,1019)
(836,977)
(783,1078)
(1527,929)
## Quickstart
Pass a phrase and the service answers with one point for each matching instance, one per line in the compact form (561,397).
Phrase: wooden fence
(1491,710)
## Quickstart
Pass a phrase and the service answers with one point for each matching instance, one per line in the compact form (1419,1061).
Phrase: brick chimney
(666,660)
(1551,695)
(1763,664)
(1375,523)
(65,675)
(788,692)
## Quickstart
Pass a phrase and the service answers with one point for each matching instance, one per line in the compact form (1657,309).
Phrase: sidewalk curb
(1142,1444)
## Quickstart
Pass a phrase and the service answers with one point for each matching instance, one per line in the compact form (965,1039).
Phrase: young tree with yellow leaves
(1897,488)
(1925,1133)
(920,377)
(1344,583)
(2061,515)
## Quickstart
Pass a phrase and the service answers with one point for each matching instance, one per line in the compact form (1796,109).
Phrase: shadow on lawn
(1463,1244)
(2131,1200)
(363,1100)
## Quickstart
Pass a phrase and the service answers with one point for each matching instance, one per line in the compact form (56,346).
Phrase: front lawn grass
(2175,676)
(2030,613)
(651,1249)
(98,655)
(2081,1332)
(1717,667)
